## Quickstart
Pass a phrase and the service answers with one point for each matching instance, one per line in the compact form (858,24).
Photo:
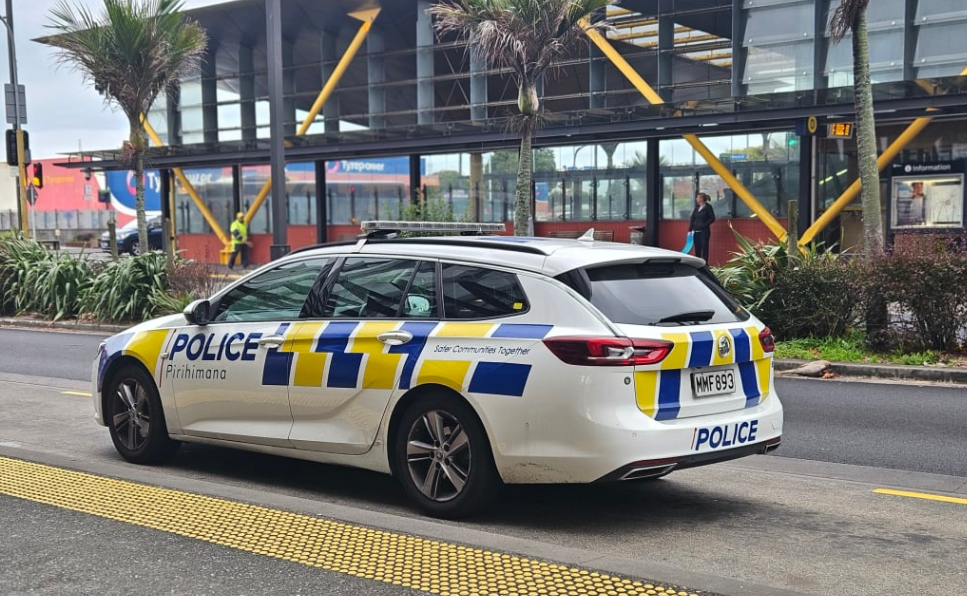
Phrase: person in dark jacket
(700,224)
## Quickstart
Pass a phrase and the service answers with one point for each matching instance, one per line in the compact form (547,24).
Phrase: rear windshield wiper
(694,316)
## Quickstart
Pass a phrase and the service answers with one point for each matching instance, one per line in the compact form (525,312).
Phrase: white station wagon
(456,364)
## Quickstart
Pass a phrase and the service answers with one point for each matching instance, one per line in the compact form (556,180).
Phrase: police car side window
(278,294)
(369,288)
(477,293)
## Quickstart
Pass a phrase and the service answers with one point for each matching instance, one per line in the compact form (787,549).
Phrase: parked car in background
(127,236)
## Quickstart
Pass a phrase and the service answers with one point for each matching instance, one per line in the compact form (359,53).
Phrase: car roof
(548,256)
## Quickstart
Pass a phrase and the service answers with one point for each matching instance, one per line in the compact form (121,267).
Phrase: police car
(455,363)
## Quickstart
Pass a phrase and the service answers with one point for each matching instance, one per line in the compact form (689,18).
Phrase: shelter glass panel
(359,190)
(767,164)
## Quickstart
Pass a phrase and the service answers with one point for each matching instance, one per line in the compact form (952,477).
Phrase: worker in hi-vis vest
(240,241)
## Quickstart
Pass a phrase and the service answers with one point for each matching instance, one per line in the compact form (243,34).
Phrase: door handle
(395,338)
(271,341)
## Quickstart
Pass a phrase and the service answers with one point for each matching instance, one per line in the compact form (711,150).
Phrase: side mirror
(198,313)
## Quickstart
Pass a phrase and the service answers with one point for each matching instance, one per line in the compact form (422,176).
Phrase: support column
(820,53)
(173,120)
(425,94)
(597,78)
(236,191)
(416,179)
(911,34)
(167,231)
(739,53)
(654,189)
(288,88)
(666,50)
(807,188)
(330,57)
(476,185)
(375,46)
(209,95)
(273,25)
(322,204)
(478,85)
(246,92)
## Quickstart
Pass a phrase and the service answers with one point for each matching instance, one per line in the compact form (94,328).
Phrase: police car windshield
(656,293)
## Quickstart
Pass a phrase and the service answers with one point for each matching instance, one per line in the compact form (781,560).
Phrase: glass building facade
(417,115)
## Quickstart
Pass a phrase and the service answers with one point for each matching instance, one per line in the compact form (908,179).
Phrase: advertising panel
(927,196)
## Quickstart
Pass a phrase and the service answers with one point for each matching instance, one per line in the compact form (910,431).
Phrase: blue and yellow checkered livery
(356,359)
(659,391)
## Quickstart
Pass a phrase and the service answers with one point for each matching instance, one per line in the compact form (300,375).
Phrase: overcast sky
(63,111)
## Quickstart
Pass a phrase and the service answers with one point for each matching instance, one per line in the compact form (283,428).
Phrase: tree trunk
(529,104)
(139,200)
(522,203)
(137,150)
(866,141)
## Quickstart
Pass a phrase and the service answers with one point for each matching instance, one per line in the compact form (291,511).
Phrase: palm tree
(131,51)
(850,16)
(525,36)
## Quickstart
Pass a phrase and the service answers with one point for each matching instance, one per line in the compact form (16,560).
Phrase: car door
(230,377)
(371,328)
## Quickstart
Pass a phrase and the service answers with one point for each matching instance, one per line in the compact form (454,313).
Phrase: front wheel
(135,418)
(135,248)
(443,458)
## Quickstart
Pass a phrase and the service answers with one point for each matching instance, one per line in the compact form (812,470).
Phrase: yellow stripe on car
(449,373)
(679,354)
(146,347)
(646,391)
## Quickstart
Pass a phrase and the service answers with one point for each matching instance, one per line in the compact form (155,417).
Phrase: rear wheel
(443,458)
(135,248)
(135,418)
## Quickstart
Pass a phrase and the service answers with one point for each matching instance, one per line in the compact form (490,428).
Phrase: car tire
(443,458)
(136,419)
(134,248)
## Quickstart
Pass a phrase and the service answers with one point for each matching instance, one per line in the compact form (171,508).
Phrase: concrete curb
(932,374)
(61,325)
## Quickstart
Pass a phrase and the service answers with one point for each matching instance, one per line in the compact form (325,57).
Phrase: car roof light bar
(387,227)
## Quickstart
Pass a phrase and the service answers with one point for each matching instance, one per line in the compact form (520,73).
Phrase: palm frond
(131,50)
(845,17)
(525,36)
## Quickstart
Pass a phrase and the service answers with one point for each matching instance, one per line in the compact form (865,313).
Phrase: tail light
(608,351)
(767,341)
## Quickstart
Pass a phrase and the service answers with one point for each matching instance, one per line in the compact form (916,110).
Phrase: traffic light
(38,177)
(12,147)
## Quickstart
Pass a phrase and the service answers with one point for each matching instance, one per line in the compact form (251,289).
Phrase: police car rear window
(664,294)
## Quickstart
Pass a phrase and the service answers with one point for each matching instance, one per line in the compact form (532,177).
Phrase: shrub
(188,281)
(122,289)
(55,287)
(19,259)
(804,294)
(923,285)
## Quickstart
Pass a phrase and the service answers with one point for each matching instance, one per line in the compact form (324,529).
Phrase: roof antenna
(588,236)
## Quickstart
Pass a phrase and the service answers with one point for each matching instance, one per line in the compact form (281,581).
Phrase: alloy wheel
(132,415)
(438,455)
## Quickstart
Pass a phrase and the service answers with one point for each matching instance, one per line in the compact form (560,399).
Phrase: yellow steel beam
(645,89)
(180,175)
(622,64)
(367,17)
(901,142)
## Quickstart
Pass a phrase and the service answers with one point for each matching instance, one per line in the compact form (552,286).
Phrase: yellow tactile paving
(409,561)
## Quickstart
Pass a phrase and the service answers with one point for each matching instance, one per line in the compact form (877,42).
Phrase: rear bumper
(643,470)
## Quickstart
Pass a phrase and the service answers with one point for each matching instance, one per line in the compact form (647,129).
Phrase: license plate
(715,382)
